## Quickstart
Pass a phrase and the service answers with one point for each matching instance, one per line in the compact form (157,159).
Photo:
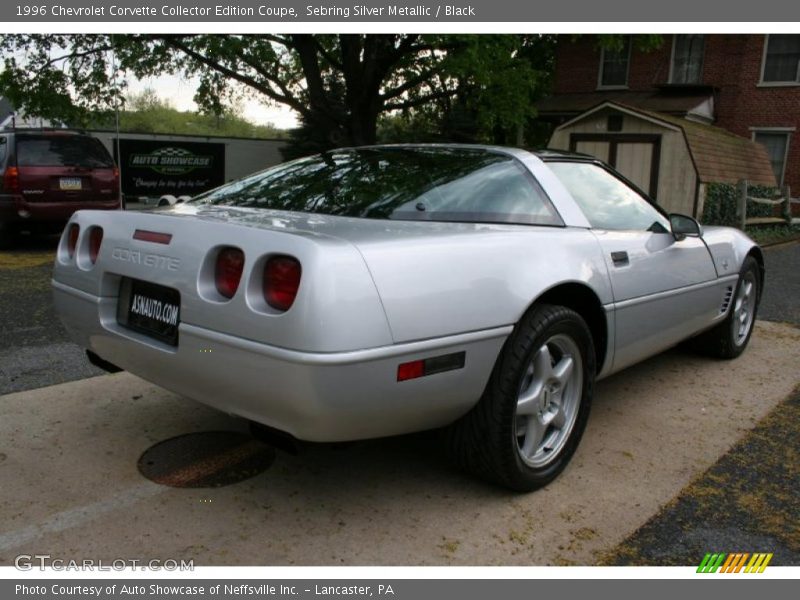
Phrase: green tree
(147,113)
(338,84)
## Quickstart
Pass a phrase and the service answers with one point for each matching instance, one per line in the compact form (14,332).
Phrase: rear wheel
(730,337)
(524,430)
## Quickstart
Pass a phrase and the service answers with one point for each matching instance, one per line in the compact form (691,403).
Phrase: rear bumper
(15,209)
(312,396)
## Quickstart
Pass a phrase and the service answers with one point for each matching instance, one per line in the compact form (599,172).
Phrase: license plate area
(70,184)
(150,309)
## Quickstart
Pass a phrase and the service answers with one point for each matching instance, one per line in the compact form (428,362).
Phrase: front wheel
(527,425)
(729,338)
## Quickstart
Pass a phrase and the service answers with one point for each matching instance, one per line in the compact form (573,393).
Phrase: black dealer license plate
(150,309)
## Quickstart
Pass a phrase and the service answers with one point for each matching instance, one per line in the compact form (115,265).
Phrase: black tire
(9,236)
(485,441)
(721,341)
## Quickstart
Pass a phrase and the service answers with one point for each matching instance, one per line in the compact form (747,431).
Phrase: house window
(777,145)
(687,59)
(782,59)
(614,65)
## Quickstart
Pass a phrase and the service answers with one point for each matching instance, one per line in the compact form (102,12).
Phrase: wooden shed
(670,158)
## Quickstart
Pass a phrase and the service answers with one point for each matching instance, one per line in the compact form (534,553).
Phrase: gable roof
(569,104)
(719,156)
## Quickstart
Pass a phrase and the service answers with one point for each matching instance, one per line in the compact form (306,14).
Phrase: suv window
(3,151)
(606,200)
(61,150)
(401,183)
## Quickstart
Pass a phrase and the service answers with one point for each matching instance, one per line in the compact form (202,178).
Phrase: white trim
(772,129)
(623,109)
(624,86)
(762,83)
(763,60)
(672,58)
(787,133)
(777,84)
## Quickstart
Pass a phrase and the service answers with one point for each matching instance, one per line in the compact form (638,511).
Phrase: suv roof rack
(11,129)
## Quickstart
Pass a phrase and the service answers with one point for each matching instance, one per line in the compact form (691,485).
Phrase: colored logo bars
(734,563)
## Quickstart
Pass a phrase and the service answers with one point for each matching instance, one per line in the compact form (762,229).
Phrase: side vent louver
(726,299)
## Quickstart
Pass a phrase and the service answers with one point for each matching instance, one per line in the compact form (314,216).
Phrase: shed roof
(719,156)
(577,102)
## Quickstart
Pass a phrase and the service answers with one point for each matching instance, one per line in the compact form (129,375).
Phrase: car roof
(547,154)
(544,154)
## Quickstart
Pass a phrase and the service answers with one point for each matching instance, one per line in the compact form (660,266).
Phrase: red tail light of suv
(48,174)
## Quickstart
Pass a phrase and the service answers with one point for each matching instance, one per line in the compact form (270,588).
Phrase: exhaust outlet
(102,364)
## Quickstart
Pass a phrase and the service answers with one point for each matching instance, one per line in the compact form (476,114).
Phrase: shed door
(636,156)
(635,161)
(598,149)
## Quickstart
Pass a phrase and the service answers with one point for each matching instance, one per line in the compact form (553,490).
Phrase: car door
(664,289)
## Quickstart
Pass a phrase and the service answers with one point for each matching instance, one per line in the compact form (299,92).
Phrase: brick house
(746,85)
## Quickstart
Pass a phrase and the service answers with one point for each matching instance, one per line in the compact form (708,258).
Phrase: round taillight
(281,281)
(230,263)
(95,240)
(72,239)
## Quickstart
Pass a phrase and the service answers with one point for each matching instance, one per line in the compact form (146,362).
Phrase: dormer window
(687,59)
(614,65)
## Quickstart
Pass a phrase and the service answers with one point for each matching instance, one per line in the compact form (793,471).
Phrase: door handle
(620,259)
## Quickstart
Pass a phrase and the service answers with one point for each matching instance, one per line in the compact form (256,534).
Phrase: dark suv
(48,174)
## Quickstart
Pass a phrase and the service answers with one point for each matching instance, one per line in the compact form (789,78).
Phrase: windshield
(61,150)
(420,184)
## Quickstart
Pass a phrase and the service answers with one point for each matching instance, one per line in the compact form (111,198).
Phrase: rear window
(417,184)
(61,150)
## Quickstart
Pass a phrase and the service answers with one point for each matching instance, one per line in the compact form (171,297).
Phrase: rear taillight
(72,239)
(230,263)
(11,180)
(281,281)
(95,240)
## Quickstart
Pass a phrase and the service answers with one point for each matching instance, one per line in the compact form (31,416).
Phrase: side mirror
(683,226)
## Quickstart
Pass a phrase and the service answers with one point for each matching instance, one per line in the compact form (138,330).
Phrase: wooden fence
(785,199)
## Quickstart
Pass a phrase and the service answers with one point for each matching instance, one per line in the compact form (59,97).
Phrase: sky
(179,92)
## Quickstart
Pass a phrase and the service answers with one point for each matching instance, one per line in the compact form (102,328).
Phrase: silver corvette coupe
(376,291)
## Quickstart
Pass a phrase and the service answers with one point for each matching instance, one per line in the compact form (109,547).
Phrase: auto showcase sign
(154,168)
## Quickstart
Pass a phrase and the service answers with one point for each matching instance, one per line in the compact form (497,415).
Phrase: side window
(3,151)
(607,201)
(782,59)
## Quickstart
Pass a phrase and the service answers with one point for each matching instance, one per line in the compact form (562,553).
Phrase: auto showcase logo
(171,161)
(734,563)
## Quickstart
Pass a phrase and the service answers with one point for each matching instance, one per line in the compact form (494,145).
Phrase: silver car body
(375,294)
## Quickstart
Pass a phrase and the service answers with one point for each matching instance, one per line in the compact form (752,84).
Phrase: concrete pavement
(71,488)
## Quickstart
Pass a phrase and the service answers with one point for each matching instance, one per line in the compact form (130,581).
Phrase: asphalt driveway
(782,288)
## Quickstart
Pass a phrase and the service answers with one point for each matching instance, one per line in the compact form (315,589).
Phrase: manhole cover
(206,459)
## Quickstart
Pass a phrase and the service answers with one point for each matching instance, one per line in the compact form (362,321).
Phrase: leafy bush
(722,199)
